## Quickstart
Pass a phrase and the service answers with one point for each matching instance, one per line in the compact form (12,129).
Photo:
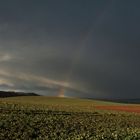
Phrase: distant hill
(126,101)
(4,94)
(133,101)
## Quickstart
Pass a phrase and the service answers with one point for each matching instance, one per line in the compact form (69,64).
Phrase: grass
(52,118)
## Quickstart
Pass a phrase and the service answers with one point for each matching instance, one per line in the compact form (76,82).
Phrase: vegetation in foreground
(35,121)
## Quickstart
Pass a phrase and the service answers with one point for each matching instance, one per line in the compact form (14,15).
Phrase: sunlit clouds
(5,57)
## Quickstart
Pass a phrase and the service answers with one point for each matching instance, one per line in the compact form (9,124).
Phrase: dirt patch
(135,109)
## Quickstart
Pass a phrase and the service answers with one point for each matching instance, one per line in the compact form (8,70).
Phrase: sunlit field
(53,118)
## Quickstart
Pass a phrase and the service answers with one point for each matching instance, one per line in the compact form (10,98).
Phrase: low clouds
(5,57)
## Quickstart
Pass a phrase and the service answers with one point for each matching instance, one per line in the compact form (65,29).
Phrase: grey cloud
(92,48)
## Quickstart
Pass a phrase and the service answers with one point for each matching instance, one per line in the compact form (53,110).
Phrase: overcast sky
(92,46)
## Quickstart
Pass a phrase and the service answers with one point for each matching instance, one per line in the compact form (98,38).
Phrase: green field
(56,103)
(52,118)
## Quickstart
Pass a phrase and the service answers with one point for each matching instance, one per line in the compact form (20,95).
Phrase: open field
(71,104)
(52,118)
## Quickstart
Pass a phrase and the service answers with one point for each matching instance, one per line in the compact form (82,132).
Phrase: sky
(90,48)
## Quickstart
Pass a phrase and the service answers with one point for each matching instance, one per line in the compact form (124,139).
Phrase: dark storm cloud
(90,46)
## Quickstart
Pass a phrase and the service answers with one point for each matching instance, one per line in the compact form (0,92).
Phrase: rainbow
(61,92)
(81,46)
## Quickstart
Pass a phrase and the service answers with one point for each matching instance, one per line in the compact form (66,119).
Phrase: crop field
(52,118)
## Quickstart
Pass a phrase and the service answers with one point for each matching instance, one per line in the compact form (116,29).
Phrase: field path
(135,109)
